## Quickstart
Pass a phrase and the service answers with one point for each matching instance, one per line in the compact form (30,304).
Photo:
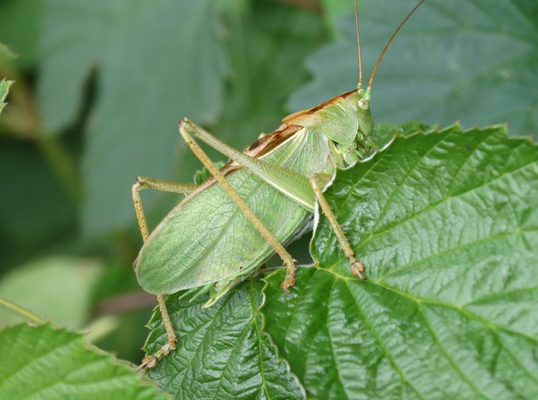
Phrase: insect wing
(206,238)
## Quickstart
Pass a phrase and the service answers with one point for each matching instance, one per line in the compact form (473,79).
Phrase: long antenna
(387,46)
(358,44)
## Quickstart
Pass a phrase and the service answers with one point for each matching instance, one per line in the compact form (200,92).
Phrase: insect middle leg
(144,182)
(356,266)
(185,126)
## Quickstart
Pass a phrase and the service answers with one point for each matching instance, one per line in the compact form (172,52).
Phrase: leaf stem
(62,164)
(21,311)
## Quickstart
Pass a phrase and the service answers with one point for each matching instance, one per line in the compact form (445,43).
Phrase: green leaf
(473,61)
(4,89)
(384,134)
(19,28)
(202,175)
(31,286)
(221,353)
(142,53)
(6,54)
(447,227)
(48,363)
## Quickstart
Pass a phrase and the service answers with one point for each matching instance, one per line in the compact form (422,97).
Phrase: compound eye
(364,104)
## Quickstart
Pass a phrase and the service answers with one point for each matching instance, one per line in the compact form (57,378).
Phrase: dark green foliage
(470,61)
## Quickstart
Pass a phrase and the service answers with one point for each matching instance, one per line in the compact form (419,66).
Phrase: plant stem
(21,312)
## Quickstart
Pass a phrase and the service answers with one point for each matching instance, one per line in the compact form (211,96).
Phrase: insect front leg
(356,266)
(187,127)
(144,182)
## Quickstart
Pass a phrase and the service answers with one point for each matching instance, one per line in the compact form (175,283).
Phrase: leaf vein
(378,339)
(451,250)
(448,358)
(432,206)
(490,325)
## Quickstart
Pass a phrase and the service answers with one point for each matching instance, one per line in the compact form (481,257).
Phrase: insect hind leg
(186,128)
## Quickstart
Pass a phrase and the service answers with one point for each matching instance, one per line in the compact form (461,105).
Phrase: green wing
(206,238)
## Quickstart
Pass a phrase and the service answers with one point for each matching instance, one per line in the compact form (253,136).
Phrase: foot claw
(357,267)
(288,282)
(150,362)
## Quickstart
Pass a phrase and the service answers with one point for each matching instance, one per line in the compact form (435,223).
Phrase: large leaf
(32,284)
(221,353)
(48,363)
(474,61)
(142,52)
(447,226)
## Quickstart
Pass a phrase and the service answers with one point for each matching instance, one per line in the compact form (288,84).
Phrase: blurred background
(101,85)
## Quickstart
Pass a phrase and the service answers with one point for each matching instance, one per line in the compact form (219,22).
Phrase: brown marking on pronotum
(313,110)
(272,139)
(254,145)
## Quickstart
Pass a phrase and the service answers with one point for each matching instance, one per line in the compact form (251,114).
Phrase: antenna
(358,45)
(387,46)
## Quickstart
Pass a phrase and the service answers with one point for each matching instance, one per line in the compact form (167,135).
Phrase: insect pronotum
(252,207)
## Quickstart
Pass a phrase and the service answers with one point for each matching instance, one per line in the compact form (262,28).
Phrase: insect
(258,202)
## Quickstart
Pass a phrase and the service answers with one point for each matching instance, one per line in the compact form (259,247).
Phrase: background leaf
(36,211)
(6,54)
(221,352)
(30,285)
(474,61)
(141,99)
(447,226)
(4,89)
(48,363)
(19,27)
(266,49)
